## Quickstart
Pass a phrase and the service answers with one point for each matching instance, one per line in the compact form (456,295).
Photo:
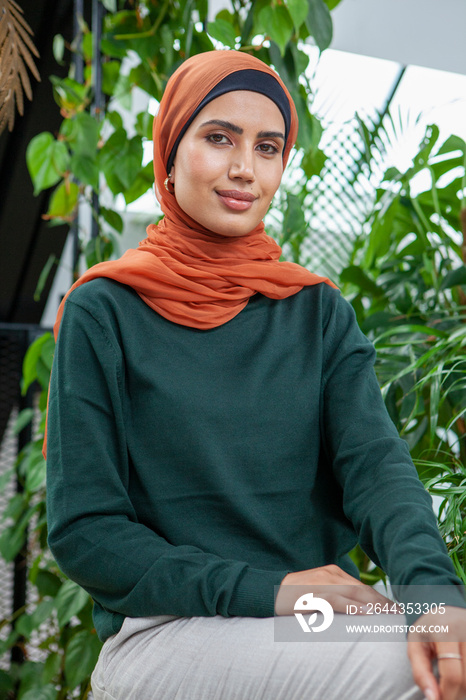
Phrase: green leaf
(143,125)
(26,624)
(31,359)
(128,154)
(113,181)
(47,351)
(110,5)
(7,683)
(47,583)
(110,74)
(29,674)
(98,250)
(319,23)
(313,162)
(379,238)
(413,437)
(114,144)
(23,419)
(277,24)
(45,692)
(85,169)
(301,59)
(35,468)
(43,373)
(331,4)
(202,8)
(355,275)
(68,93)
(298,10)
(454,278)
(166,40)
(63,201)
(86,134)
(222,31)
(453,143)
(58,48)
(112,218)
(43,277)
(82,133)
(143,182)
(420,160)
(15,507)
(87,47)
(130,162)
(52,667)
(70,599)
(310,131)
(147,79)
(12,540)
(81,657)
(5,480)
(123,92)
(115,119)
(391,173)
(294,220)
(47,161)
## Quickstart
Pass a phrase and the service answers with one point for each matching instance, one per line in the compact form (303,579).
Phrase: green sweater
(190,470)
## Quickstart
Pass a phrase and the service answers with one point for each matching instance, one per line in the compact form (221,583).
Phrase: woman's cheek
(205,162)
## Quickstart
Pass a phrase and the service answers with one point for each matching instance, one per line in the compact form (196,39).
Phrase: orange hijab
(181,270)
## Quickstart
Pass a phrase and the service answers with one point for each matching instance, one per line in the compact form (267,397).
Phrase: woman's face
(228,165)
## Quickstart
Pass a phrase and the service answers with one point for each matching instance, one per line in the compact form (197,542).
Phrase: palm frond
(16,53)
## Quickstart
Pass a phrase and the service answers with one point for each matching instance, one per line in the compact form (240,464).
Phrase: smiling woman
(235,440)
(229,163)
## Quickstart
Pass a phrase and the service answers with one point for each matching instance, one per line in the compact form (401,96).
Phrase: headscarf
(181,270)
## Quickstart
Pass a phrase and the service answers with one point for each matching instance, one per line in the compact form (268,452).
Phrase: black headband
(248,79)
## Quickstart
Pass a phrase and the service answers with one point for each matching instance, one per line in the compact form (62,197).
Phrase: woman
(235,437)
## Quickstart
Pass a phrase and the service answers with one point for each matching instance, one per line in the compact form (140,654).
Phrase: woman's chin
(232,226)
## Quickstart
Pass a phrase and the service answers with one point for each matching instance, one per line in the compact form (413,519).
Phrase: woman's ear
(171,176)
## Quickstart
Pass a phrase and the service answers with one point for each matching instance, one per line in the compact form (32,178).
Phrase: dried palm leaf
(16,49)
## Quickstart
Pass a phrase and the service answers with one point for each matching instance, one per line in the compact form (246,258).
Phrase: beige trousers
(216,658)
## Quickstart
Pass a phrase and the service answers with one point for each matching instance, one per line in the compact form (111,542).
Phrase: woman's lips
(234,199)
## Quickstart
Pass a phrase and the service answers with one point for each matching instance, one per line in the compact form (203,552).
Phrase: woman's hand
(328,582)
(424,647)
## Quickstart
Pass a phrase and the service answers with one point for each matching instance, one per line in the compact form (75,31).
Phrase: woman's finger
(420,656)
(450,660)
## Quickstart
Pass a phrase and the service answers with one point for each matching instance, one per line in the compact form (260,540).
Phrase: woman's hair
(198,81)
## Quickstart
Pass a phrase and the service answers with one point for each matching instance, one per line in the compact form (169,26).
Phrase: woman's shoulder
(101,291)
(108,303)
(323,296)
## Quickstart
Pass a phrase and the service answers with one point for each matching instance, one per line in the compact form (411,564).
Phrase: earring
(166,183)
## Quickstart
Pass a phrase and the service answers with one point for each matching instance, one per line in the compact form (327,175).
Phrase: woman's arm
(386,502)
(382,494)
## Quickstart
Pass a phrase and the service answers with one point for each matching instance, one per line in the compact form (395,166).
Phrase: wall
(420,32)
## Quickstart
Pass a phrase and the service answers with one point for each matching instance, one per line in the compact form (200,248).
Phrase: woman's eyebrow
(238,130)
(226,125)
(271,135)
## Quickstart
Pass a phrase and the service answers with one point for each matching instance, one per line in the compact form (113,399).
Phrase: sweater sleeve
(382,494)
(94,532)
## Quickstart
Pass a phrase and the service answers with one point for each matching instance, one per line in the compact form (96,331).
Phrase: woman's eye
(217,138)
(268,148)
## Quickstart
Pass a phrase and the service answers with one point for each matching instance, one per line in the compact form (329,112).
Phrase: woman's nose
(242,165)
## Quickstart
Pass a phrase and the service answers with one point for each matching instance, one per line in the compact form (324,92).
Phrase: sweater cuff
(429,598)
(254,595)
